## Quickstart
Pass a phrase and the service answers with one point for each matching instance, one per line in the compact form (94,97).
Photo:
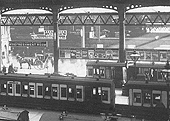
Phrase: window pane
(137,98)
(79,93)
(156,98)
(31,89)
(54,91)
(40,90)
(3,87)
(18,91)
(63,92)
(25,89)
(71,92)
(47,91)
(105,95)
(147,97)
(9,88)
(90,72)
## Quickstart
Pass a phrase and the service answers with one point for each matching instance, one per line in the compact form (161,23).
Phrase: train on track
(75,94)
(150,99)
(107,70)
(80,94)
(121,73)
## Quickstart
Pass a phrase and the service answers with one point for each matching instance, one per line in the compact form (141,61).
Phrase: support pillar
(122,51)
(83,38)
(0,47)
(55,38)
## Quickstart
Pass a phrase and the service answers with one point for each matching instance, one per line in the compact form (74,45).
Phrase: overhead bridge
(131,19)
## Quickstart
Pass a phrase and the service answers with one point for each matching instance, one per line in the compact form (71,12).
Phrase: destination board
(21,43)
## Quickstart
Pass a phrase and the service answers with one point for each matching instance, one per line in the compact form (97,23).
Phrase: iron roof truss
(141,19)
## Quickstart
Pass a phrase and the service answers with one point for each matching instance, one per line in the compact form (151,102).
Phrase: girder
(140,19)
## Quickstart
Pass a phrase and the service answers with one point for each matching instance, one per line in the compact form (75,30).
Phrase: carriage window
(17,88)
(105,95)
(90,71)
(99,90)
(102,72)
(96,71)
(63,92)
(47,92)
(40,92)
(79,93)
(25,90)
(18,91)
(137,97)
(143,70)
(108,76)
(55,91)
(146,98)
(32,89)
(71,93)
(94,91)
(10,88)
(3,89)
(160,76)
(156,97)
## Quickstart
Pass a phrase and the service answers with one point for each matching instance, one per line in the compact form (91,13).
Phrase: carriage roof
(106,64)
(53,78)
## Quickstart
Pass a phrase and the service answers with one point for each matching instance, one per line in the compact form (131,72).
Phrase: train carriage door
(32,89)
(39,90)
(88,93)
(71,92)
(106,95)
(3,87)
(10,88)
(79,93)
(63,92)
(47,91)
(55,91)
(25,89)
(147,96)
(17,87)
(135,97)
(156,94)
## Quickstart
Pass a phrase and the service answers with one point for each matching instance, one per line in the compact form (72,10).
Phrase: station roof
(92,10)
(32,3)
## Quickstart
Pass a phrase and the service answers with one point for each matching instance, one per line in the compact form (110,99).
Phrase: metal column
(55,38)
(0,47)
(122,53)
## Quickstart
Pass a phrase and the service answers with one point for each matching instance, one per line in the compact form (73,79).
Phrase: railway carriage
(107,70)
(150,99)
(57,92)
(144,71)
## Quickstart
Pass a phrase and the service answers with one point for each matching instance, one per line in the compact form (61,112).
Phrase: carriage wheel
(38,64)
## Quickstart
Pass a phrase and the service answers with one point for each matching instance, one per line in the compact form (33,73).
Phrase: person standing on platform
(11,69)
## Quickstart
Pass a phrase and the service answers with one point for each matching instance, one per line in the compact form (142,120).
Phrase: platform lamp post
(135,57)
(165,73)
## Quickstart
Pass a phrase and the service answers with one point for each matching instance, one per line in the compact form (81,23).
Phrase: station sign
(21,43)
(49,34)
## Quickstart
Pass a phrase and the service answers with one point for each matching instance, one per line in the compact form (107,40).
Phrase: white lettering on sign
(158,29)
(49,34)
